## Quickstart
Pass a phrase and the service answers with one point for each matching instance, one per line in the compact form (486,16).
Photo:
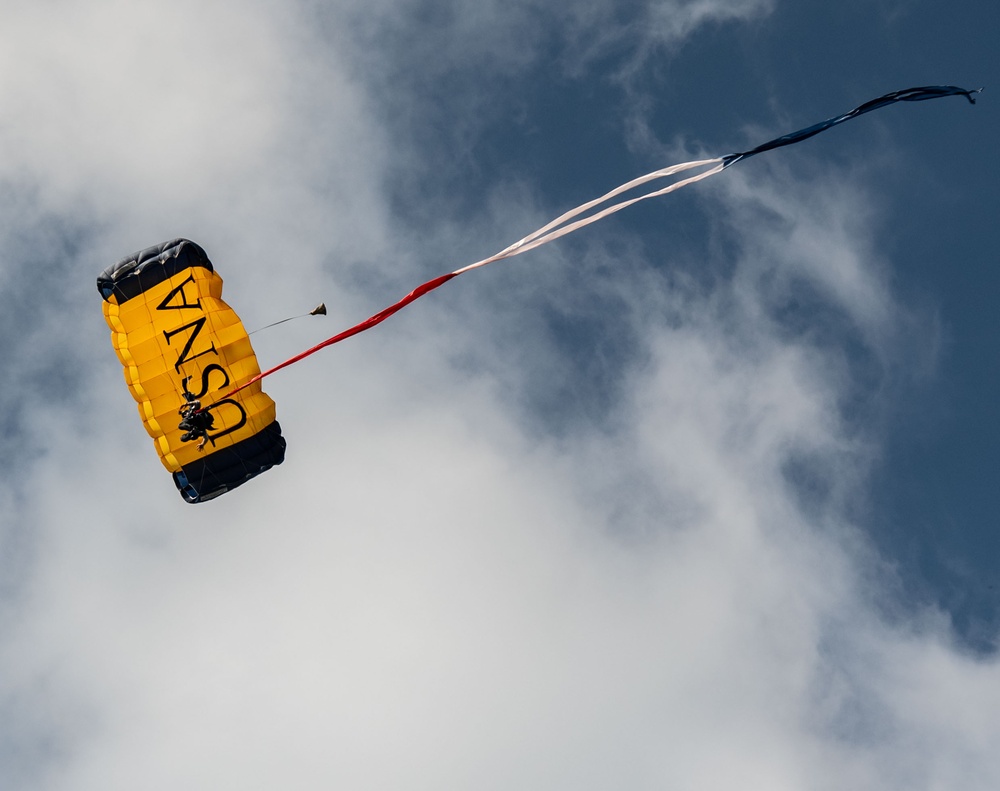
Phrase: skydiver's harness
(196,421)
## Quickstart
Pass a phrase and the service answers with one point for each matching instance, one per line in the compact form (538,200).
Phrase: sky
(700,497)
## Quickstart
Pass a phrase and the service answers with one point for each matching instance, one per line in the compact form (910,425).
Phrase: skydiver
(195,421)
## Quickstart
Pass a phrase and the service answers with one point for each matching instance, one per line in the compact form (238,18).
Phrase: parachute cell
(174,334)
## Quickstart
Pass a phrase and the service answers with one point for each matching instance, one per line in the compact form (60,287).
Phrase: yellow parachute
(170,328)
(176,339)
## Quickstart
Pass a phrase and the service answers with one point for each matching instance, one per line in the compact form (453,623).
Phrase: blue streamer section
(906,95)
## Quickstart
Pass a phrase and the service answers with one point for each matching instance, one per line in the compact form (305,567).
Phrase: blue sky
(702,496)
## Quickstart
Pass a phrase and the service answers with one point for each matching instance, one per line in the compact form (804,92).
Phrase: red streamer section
(367,324)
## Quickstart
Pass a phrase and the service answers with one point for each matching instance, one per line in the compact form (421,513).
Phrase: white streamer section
(561,226)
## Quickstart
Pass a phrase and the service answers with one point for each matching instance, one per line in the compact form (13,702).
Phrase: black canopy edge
(225,469)
(141,271)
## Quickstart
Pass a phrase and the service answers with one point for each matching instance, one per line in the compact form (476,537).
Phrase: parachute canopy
(174,334)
